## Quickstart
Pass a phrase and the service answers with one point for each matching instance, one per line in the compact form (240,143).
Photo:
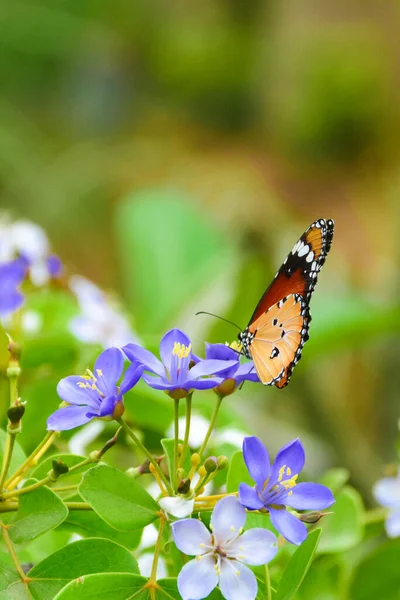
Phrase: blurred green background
(175,152)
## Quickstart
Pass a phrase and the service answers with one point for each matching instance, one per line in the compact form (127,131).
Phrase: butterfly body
(278,328)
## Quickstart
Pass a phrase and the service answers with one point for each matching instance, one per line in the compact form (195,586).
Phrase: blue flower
(387,493)
(176,373)
(11,276)
(277,488)
(233,376)
(220,556)
(95,394)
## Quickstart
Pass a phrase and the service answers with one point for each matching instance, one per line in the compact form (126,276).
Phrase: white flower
(177,506)
(387,493)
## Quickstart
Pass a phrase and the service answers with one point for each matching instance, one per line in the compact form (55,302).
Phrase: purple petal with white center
(192,537)
(292,455)
(131,377)
(309,496)
(246,372)
(69,391)
(107,406)
(220,352)
(256,458)
(212,367)
(10,301)
(227,519)
(387,491)
(108,369)
(151,362)
(392,524)
(54,265)
(255,547)
(236,581)
(167,344)
(288,525)
(197,579)
(69,417)
(249,497)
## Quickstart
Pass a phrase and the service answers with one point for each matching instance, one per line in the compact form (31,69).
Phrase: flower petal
(256,458)
(151,362)
(69,391)
(191,536)
(310,496)
(107,406)
(228,517)
(387,491)
(167,344)
(392,524)
(292,455)
(247,372)
(54,265)
(197,579)
(108,369)
(158,383)
(220,352)
(202,384)
(212,367)
(249,498)
(178,507)
(288,525)
(68,418)
(131,377)
(255,547)
(236,581)
(10,301)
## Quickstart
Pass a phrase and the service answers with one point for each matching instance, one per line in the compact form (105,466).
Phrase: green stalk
(211,426)
(268,595)
(27,489)
(26,465)
(7,457)
(176,438)
(187,429)
(143,448)
(153,575)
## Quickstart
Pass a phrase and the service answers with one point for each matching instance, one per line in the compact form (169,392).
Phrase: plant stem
(153,575)
(14,558)
(7,457)
(27,489)
(176,438)
(211,426)
(65,488)
(78,506)
(375,515)
(187,429)
(268,595)
(31,461)
(143,448)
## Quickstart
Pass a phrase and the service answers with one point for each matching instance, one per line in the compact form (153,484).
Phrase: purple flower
(277,488)
(220,555)
(95,394)
(233,376)
(11,276)
(176,373)
(387,493)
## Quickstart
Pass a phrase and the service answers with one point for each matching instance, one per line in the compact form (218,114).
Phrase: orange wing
(281,334)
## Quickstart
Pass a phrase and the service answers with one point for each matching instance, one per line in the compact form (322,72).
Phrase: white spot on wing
(304,250)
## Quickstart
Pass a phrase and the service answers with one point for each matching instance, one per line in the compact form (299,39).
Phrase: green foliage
(168,446)
(237,473)
(297,567)
(378,574)
(118,499)
(343,529)
(38,512)
(112,586)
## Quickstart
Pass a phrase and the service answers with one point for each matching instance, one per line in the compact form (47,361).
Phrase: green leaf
(335,479)
(75,561)
(8,574)
(18,455)
(297,567)
(168,445)
(344,529)
(38,512)
(111,586)
(88,524)
(237,473)
(69,478)
(378,575)
(176,248)
(118,499)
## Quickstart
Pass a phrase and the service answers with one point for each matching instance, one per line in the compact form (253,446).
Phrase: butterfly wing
(279,326)
(299,271)
(281,334)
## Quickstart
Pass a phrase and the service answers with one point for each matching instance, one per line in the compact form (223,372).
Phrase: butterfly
(278,328)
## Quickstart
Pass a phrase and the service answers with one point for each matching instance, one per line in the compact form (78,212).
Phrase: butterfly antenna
(203,312)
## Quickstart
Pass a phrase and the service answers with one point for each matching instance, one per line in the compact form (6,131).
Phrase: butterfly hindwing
(278,329)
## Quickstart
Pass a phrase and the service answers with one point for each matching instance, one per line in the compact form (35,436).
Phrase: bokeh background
(174,152)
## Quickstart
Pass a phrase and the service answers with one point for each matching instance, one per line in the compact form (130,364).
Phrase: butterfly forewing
(278,329)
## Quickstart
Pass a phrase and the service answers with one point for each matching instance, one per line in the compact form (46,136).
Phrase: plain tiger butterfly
(278,328)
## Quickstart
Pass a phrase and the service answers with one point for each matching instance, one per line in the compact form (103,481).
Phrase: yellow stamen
(181,351)
(99,372)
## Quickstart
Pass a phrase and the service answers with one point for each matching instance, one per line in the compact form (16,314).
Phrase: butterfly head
(245,338)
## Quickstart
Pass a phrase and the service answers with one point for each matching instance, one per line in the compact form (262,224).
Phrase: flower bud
(202,471)
(184,486)
(59,467)
(211,464)
(195,459)
(15,351)
(222,461)
(16,412)
(312,517)
(180,473)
